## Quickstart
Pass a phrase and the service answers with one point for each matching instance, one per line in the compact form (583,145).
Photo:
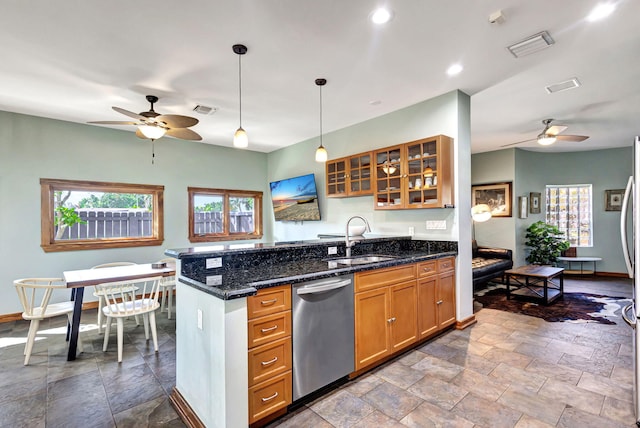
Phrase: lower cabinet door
(404,316)
(446,299)
(427,308)
(269,396)
(372,331)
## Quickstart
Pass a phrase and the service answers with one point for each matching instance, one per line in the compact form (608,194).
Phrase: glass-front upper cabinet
(413,175)
(389,178)
(349,176)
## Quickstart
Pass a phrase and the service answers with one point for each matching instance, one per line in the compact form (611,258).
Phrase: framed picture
(523,208)
(613,199)
(534,202)
(497,196)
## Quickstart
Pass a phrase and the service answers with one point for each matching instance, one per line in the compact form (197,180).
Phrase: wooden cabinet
(436,296)
(414,175)
(385,313)
(349,176)
(269,332)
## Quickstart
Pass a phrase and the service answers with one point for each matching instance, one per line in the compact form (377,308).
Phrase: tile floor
(508,370)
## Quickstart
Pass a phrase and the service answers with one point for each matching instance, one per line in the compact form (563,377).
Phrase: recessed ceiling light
(602,10)
(381,16)
(454,69)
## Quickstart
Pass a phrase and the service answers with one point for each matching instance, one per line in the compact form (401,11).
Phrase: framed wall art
(496,195)
(534,202)
(523,206)
(613,199)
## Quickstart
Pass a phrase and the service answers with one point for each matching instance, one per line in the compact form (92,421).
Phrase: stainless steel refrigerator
(630,229)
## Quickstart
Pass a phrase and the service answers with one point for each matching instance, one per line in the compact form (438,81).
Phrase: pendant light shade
(321,152)
(240,138)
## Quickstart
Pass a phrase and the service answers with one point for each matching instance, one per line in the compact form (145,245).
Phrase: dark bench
(489,263)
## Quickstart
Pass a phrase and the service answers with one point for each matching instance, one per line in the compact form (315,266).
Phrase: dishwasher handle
(323,286)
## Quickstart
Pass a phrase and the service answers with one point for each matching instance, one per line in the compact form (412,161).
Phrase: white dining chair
(35,295)
(167,285)
(119,307)
(131,292)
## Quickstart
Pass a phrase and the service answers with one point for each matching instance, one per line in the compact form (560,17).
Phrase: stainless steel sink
(361,260)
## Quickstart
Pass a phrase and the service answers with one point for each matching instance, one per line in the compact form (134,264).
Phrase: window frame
(225,235)
(568,187)
(47,212)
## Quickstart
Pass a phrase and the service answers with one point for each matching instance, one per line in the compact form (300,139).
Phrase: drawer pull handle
(427,269)
(264,330)
(268,302)
(439,302)
(266,363)
(275,394)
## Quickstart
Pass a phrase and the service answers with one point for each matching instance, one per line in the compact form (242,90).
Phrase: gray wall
(32,148)
(604,169)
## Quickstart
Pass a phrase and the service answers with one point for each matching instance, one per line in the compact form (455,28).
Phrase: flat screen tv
(295,199)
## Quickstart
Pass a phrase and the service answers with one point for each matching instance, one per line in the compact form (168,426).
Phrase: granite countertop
(235,283)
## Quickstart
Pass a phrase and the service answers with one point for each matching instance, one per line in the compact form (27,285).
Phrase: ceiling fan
(152,125)
(550,134)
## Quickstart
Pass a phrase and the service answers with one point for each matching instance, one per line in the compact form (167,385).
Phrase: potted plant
(546,243)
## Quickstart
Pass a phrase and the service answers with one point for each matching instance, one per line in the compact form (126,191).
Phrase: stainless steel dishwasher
(323,333)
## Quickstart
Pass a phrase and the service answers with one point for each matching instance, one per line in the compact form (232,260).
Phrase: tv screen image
(295,199)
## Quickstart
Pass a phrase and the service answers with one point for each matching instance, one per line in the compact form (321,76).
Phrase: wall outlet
(332,250)
(412,230)
(199,319)
(214,262)
(436,224)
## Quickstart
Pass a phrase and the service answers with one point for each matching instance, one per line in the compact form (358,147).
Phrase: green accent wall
(532,171)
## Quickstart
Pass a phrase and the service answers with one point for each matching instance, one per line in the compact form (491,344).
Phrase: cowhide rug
(576,307)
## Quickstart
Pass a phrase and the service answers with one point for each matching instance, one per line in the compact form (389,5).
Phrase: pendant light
(321,152)
(240,138)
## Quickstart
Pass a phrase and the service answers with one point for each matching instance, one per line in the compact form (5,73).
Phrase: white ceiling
(72,60)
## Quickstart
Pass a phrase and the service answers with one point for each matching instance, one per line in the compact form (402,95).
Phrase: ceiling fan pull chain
(153,152)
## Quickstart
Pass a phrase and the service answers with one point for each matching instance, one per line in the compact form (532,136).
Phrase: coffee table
(543,284)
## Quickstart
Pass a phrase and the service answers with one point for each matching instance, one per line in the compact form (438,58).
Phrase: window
(87,215)
(223,215)
(569,208)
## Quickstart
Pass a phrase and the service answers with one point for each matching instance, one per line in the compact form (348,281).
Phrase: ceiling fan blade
(114,122)
(556,129)
(183,134)
(519,142)
(573,138)
(129,113)
(177,121)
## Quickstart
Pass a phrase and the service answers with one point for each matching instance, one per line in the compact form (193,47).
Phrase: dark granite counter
(245,268)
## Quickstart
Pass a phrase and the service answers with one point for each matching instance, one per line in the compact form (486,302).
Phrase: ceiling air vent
(204,109)
(563,86)
(531,44)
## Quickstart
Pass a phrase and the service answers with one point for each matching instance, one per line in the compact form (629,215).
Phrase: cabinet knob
(427,269)
(390,320)
(439,302)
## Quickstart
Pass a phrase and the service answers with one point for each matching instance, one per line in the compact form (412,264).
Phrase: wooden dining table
(78,279)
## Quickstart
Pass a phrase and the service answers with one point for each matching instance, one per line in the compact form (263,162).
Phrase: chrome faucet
(350,243)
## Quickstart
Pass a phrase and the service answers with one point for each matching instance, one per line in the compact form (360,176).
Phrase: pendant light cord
(240,85)
(321,116)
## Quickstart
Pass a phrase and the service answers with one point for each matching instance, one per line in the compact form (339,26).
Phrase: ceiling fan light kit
(152,132)
(240,138)
(546,140)
(321,152)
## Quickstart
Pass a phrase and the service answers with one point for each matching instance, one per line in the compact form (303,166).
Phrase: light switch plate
(332,250)
(199,319)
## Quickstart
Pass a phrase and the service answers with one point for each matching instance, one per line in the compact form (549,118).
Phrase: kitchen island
(215,287)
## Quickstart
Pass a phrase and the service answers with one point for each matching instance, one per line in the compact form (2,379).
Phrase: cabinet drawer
(368,280)
(269,301)
(269,396)
(446,265)
(269,360)
(269,328)
(427,268)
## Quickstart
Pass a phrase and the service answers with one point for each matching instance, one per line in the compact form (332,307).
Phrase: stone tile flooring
(508,370)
